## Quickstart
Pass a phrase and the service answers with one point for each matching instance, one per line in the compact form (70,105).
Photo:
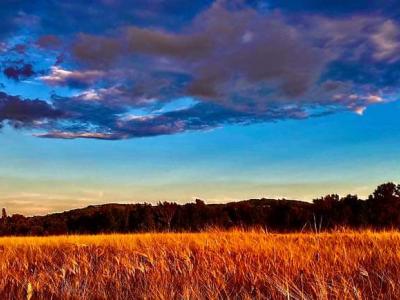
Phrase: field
(211,265)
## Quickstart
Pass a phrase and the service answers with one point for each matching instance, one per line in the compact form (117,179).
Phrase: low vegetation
(208,265)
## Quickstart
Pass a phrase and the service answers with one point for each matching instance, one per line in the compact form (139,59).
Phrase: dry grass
(213,265)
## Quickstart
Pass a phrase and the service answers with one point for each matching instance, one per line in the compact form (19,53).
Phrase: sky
(147,101)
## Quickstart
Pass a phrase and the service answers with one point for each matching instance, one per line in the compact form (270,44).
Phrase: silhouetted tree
(165,213)
(384,205)
(326,211)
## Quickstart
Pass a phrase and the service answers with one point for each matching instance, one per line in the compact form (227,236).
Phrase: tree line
(380,210)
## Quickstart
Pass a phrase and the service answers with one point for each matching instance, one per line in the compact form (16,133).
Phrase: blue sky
(120,101)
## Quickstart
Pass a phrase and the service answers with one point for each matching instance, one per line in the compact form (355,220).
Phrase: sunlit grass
(229,265)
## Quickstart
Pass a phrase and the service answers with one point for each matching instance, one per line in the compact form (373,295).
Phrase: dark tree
(165,213)
(384,205)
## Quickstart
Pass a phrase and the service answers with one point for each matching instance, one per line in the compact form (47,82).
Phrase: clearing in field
(223,265)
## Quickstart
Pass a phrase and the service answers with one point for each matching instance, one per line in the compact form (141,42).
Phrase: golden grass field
(212,265)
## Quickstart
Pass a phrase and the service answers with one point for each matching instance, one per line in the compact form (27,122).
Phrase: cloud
(238,62)
(80,135)
(49,41)
(183,46)
(242,58)
(23,112)
(19,73)
(78,79)
(224,55)
(387,41)
(115,125)
(97,50)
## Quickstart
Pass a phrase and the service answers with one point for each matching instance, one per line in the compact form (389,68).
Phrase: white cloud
(59,76)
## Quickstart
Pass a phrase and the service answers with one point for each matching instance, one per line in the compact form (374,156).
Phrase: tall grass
(211,265)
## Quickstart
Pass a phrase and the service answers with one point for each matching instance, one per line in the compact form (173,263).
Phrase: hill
(380,210)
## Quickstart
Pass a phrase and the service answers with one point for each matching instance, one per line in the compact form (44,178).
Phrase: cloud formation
(198,117)
(19,72)
(225,54)
(78,79)
(24,112)
(240,62)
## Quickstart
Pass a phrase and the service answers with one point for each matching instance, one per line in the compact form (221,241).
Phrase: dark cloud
(223,52)
(88,113)
(19,72)
(110,125)
(24,112)
(181,46)
(97,50)
(49,41)
(241,66)
(240,62)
